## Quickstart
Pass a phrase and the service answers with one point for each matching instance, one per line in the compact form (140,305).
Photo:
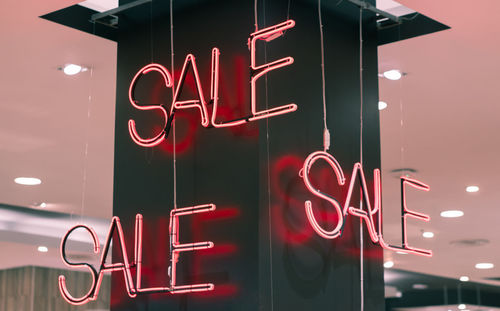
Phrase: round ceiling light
(428,234)
(484,265)
(462,306)
(27,181)
(388,264)
(452,214)
(393,74)
(464,278)
(472,189)
(43,249)
(72,69)
(382,105)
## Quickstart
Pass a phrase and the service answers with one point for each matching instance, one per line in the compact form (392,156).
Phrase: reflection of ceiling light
(43,249)
(388,264)
(419,286)
(484,265)
(382,105)
(472,189)
(401,253)
(28,181)
(72,69)
(462,306)
(428,234)
(464,278)
(393,74)
(40,204)
(452,214)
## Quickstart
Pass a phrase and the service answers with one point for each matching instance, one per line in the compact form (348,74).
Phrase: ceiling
(448,105)
(60,129)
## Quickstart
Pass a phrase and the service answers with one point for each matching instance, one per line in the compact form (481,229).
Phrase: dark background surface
(248,177)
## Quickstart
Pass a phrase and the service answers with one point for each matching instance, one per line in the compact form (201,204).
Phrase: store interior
(438,124)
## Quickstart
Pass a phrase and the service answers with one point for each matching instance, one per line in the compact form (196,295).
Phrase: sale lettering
(366,212)
(125,266)
(200,103)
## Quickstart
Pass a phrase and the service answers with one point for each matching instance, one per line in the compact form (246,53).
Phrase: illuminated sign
(258,71)
(133,289)
(367,214)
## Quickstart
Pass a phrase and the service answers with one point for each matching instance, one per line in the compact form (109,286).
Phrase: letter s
(311,159)
(148,142)
(62,279)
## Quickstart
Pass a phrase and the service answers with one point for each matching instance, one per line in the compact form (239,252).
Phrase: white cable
(173,94)
(326,133)
(270,231)
(256,21)
(86,149)
(361,238)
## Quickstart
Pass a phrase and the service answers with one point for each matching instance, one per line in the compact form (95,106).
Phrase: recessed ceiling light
(428,234)
(72,69)
(464,278)
(393,74)
(484,265)
(43,249)
(388,264)
(382,105)
(28,181)
(43,205)
(462,306)
(452,214)
(472,189)
(419,286)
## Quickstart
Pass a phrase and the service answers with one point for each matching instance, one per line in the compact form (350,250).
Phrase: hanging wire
(326,133)
(287,14)
(270,231)
(361,238)
(288,11)
(86,149)
(173,92)
(149,152)
(401,114)
(256,20)
(151,34)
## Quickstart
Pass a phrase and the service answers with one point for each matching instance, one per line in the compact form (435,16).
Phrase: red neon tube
(199,103)
(310,160)
(267,34)
(153,141)
(177,248)
(62,279)
(404,214)
(367,216)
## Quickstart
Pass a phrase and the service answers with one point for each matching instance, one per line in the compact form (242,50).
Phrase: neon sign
(133,289)
(258,71)
(367,214)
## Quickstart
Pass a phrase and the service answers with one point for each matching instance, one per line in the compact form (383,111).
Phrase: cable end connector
(326,139)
